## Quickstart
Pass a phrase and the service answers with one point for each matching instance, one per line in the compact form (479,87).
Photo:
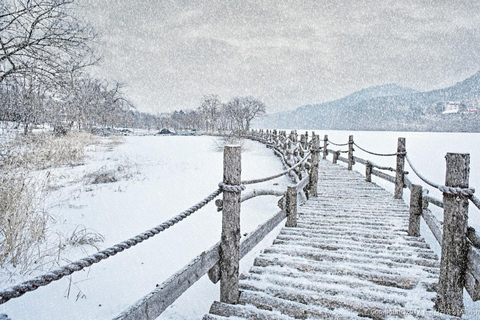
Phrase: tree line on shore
(45,54)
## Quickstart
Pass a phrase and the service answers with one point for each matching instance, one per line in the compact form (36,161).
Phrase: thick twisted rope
(231,188)
(60,272)
(279,174)
(380,154)
(467,192)
(338,144)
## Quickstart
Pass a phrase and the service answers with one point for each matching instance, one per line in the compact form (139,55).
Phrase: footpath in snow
(349,257)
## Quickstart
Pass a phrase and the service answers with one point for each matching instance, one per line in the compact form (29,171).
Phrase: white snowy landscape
(113,120)
(160,177)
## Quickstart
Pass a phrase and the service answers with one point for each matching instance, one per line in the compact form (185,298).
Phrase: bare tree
(210,110)
(42,38)
(242,110)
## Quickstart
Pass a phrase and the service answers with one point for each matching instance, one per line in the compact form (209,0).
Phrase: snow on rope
(60,272)
(279,174)
(467,192)
(338,144)
(379,154)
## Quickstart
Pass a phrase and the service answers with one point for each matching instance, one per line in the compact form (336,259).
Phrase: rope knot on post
(231,188)
(467,192)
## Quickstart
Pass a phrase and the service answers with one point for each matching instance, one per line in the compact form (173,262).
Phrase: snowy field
(162,177)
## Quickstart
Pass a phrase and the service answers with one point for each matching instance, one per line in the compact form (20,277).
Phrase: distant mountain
(386,107)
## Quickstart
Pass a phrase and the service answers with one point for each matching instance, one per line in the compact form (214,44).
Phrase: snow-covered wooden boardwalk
(349,257)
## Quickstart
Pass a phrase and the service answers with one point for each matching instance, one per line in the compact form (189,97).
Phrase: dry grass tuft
(24,224)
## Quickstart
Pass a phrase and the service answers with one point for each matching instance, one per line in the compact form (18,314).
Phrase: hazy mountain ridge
(387,107)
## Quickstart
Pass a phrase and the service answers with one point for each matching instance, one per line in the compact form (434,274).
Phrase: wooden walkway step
(349,257)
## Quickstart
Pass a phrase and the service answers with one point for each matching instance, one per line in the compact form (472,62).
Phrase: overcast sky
(285,53)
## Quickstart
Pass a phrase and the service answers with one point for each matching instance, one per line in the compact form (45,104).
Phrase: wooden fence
(221,262)
(460,244)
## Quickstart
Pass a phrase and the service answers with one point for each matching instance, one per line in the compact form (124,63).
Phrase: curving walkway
(348,258)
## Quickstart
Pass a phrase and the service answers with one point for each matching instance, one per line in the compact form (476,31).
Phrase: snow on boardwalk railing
(222,260)
(460,260)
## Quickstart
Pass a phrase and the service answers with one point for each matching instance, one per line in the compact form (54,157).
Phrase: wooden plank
(257,235)
(433,200)
(473,286)
(302,184)
(383,176)
(472,279)
(433,224)
(343,159)
(260,192)
(473,262)
(154,303)
(473,237)
(473,256)
(407,182)
(252,239)
(360,160)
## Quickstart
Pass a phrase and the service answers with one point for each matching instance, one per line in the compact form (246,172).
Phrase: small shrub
(23,222)
(82,236)
(123,171)
(232,139)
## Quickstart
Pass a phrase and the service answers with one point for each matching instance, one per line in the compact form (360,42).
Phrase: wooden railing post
(350,153)
(303,142)
(325,145)
(335,157)
(230,243)
(454,241)
(368,172)
(400,172)
(416,208)
(291,207)
(314,166)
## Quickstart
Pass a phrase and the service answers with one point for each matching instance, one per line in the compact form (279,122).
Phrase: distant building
(453,107)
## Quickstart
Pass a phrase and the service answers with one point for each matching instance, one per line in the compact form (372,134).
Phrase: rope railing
(379,154)
(475,201)
(338,144)
(277,175)
(467,192)
(60,272)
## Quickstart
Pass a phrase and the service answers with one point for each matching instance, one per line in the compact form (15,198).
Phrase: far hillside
(390,107)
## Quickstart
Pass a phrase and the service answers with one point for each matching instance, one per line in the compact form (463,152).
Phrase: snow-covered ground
(162,176)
